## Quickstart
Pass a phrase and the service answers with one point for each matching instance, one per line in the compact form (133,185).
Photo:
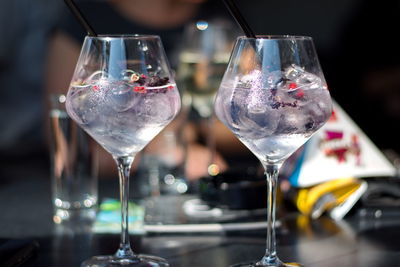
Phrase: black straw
(82,20)
(235,12)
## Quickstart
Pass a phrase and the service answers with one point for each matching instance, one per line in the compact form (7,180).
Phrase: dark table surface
(367,238)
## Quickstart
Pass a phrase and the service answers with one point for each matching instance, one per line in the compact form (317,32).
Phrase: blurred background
(40,41)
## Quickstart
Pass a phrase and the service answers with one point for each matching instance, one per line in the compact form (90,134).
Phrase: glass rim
(123,36)
(276,37)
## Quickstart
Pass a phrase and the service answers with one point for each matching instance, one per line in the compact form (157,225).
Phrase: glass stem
(124,166)
(270,258)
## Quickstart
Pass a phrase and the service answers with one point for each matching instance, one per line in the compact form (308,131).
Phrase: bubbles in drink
(157,108)
(272,79)
(248,112)
(84,102)
(124,115)
(294,72)
(120,97)
(273,116)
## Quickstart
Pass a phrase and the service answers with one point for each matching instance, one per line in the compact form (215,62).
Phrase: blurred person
(24,25)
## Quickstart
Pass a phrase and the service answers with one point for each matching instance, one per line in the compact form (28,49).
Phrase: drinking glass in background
(163,163)
(273,97)
(204,55)
(74,166)
(123,94)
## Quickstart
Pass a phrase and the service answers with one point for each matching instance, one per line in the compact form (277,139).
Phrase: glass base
(259,264)
(137,261)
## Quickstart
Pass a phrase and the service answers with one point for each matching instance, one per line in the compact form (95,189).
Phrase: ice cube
(312,116)
(260,124)
(127,74)
(83,102)
(252,80)
(95,77)
(308,81)
(250,115)
(319,108)
(292,121)
(304,79)
(120,96)
(156,108)
(230,103)
(256,100)
(293,72)
(271,79)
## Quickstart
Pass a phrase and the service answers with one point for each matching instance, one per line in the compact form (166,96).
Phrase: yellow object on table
(314,201)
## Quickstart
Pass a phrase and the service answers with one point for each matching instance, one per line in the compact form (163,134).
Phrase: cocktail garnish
(78,83)
(140,89)
(277,103)
(299,93)
(289,104)
(142,79)
(134,77)
(157,81)
(292,85)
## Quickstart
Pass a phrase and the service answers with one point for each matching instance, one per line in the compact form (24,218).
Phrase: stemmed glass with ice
(123,94)
(273,97)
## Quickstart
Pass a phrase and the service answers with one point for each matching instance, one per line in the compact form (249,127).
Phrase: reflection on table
(366,237)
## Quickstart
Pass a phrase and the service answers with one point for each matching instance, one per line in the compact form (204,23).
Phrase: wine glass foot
(258,264)
(137,261)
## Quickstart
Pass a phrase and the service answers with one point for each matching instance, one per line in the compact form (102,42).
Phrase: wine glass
(273,97)
(205,52)
(123,94)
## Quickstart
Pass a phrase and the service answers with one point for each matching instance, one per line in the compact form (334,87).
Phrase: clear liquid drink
(273,116)
(273,97)
(200,78)
(123,94)
(123,118)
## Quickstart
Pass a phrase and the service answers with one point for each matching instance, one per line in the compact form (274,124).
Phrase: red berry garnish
(157,81)
(139,89)
(300,93)
(292,85)
(95,88)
